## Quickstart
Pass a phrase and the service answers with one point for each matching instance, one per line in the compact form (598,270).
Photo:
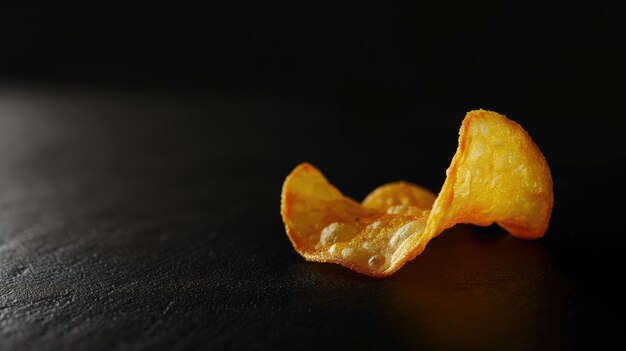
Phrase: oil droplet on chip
(336,232)
(375,261)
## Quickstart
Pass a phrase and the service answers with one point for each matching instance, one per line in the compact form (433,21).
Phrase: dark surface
(143,149)
(123,228)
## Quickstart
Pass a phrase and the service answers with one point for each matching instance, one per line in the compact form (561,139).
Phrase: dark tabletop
(146,221)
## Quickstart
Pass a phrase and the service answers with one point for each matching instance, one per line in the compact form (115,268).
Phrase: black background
(143,150)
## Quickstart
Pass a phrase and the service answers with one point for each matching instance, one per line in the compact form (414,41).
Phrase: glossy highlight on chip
(497,175)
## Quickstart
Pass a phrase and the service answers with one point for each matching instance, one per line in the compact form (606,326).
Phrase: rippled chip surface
(497,175)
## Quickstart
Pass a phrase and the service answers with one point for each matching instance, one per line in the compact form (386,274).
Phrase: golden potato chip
(497,175)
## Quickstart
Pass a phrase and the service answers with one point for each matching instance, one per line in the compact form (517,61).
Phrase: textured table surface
(134,222)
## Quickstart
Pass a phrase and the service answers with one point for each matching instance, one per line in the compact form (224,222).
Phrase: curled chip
(497,175)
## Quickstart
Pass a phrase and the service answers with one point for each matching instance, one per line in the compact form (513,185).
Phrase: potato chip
(497,175)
